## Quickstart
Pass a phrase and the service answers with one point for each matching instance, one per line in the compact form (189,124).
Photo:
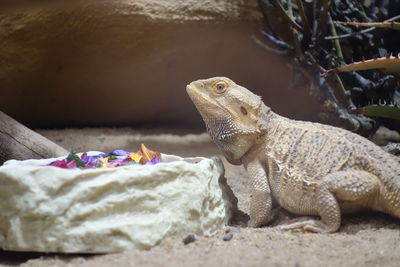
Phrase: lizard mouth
(190,90)
(199,99)
(206,105)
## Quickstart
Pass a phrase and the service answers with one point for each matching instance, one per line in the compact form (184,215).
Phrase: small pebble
(228,236)
(189,238)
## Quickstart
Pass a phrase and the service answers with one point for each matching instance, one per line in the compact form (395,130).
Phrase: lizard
(306,168)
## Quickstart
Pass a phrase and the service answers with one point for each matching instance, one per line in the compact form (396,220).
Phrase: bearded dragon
(306,168)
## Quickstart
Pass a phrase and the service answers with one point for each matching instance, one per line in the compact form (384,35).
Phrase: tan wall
(127,62)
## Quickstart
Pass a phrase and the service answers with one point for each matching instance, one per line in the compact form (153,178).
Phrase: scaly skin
(307,168)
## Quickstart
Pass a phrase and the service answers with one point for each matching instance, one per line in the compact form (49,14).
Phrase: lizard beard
(232,142)
(221,131)
(224,134)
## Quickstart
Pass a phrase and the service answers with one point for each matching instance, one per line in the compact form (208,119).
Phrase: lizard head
(231,114)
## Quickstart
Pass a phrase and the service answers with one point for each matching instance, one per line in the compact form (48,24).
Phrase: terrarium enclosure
(110,75)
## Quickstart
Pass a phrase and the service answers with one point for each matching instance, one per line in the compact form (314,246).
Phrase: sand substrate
(369,239)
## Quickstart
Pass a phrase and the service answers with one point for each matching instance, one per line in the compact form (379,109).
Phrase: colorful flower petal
(155,160)
(103,162)
(71,164)
(136,157)
(59,163)
(117,152)
(147,154)
(113,159)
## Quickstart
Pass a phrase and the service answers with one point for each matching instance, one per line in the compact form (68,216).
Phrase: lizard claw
(307,224)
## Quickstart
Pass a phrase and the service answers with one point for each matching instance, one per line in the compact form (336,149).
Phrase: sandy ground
(370,239)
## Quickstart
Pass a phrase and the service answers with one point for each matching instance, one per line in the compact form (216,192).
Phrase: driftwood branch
(19,142)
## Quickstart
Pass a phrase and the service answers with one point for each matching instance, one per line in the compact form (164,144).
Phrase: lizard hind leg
(327,208)
(355,188)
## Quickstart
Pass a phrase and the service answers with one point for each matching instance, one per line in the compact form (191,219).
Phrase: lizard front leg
(261,201)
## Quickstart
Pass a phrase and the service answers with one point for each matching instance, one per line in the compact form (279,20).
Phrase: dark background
(92,63)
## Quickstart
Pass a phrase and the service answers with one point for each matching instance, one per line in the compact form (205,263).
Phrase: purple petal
(90,160)
(117,152)
(112,165)
(125,161)
(155,160)
(116,160)
(120,152)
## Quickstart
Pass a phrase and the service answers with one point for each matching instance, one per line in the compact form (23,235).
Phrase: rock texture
(186,10)
(120,62)
(49,209)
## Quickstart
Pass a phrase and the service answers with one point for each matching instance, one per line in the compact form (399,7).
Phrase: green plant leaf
(380,111)
(73,156)
(388,64)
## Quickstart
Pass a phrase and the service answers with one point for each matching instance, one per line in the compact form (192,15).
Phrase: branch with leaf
(320,36)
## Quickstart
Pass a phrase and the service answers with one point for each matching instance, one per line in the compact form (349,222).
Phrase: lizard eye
(220,87)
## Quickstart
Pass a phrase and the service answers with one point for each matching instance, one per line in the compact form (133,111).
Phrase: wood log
(19,142)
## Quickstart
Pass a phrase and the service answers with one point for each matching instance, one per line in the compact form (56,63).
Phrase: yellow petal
(104,162)
(135,157)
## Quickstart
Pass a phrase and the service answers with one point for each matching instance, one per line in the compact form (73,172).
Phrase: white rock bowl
(50,209)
